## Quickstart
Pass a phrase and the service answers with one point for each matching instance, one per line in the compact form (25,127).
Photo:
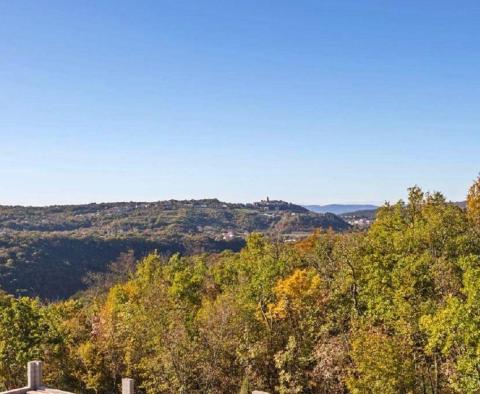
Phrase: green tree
(21,338)
(454,330)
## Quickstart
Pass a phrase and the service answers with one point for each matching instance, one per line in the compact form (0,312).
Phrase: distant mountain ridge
(339,209)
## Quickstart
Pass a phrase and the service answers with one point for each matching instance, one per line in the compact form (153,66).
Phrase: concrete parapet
(127,386)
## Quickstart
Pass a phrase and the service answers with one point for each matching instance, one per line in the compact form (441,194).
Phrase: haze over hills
(339,209)
(46,251)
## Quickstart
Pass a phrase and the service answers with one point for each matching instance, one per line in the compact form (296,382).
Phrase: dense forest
(394,309)
(48,251)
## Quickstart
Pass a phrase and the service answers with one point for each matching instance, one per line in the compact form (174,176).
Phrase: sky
(311,102)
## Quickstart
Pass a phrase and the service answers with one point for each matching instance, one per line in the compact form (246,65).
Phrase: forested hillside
(47,251)
(395,309)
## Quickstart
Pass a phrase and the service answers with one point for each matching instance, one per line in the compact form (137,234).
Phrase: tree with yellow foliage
(473,202)
(297,316)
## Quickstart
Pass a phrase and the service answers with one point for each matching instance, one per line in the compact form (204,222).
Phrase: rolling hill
(47,251)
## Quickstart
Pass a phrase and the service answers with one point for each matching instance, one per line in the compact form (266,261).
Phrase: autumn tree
(473,202)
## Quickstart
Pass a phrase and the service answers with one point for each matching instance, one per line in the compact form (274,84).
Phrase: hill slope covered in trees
(47,251)
(393,309)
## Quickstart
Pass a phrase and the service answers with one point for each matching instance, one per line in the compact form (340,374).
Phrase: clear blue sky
(306,101)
